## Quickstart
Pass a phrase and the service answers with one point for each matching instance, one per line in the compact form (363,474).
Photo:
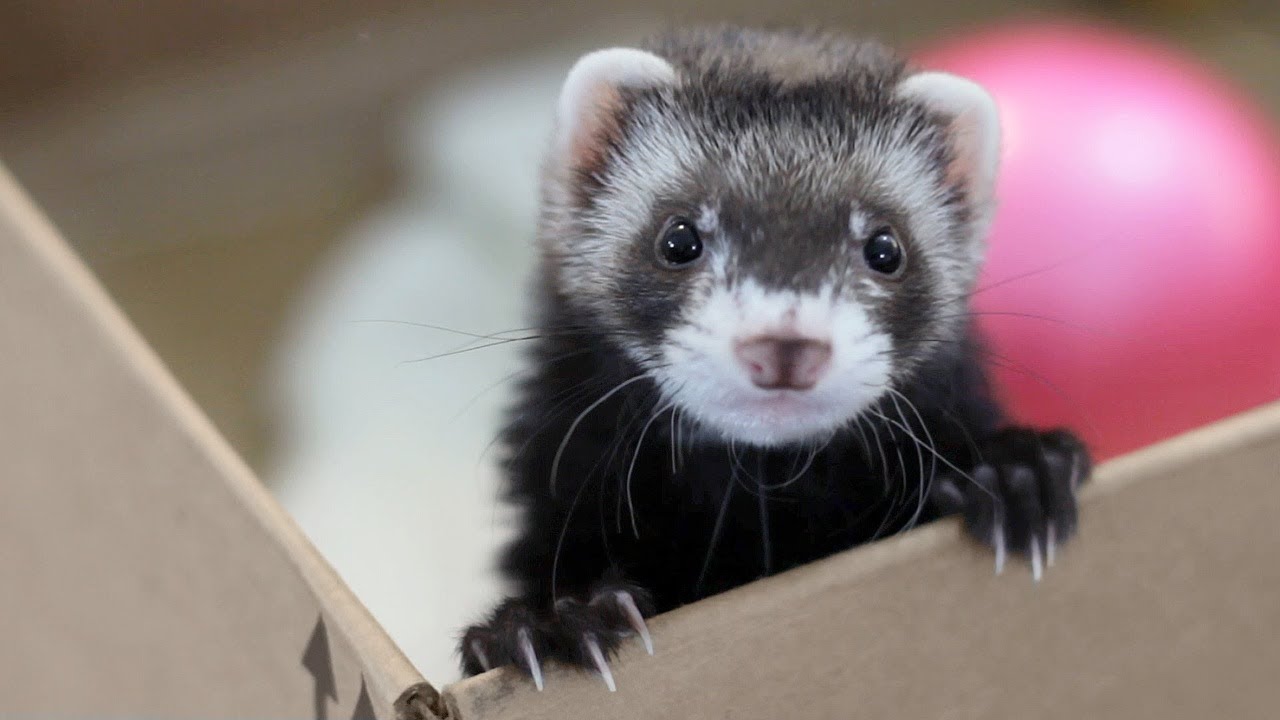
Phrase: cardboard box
(144,571)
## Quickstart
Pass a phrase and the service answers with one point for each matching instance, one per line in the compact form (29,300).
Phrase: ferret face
(775,258)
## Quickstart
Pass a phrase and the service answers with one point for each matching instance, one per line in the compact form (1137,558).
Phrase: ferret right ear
(588,107)
(974,127)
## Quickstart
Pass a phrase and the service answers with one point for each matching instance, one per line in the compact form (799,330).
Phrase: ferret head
(775,251)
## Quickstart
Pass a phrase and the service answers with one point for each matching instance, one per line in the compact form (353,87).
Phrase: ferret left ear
(588,107)
(974,127)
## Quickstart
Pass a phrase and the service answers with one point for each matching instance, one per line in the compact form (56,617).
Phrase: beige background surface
(203,156)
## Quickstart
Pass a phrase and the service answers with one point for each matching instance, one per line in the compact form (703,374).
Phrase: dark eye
(679,244)
(882,252)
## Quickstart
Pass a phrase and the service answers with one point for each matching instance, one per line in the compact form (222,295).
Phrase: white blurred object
(381,459)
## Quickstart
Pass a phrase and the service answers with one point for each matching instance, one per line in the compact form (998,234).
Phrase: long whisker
(715,531)
(511,376)
(1004,361)
(631,508)
(441,328)
(762,500)
(944,460)
(617,446)
(919,450)
(555,463)
(1032,316)
(926,483)
(675,442)
(1030,273)
(564,530)
(813,454)
(466,349)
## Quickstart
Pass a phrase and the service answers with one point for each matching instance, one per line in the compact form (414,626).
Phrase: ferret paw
(580,632)
(1021,497)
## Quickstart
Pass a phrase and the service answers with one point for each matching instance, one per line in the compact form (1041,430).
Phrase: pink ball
(1132,287)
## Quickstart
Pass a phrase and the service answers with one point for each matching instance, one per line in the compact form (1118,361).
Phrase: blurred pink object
(1139,219)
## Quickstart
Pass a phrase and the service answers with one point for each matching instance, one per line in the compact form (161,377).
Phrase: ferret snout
(783,362)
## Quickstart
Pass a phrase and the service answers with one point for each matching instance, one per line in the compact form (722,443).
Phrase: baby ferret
(754,345)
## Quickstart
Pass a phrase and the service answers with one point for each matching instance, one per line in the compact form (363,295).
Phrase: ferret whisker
(796,475)
(902,492)
(673,440)
(945,461)
(1061,262)
(498,340)
(1003,361)
(511,376)
(762,504)
(735,461)
(562,399)
(884,457)
(617,449)
(459,351)
(680,433)
(564,531)
(890,493)
(927,482)
(631,508)
(555,463)
(866,446)
(1035,316)
(441,328)
(718,527)
(919,449)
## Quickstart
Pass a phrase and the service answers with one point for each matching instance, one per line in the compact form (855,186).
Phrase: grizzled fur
(788,150)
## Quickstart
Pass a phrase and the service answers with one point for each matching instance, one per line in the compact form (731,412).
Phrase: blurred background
(275,191)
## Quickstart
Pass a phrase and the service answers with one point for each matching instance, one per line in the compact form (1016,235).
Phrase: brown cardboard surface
(1167,606)
(143,569)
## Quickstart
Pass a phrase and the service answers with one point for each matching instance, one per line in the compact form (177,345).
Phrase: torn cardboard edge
(1167,603)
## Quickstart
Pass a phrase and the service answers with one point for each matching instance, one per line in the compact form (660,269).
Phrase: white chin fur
(703,378)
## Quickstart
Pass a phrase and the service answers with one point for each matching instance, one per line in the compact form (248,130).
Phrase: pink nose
(784,362)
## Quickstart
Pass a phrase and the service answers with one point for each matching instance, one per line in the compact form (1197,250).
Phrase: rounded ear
(588,105)
(974,127)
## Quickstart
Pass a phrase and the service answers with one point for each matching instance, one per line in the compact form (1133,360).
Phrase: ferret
(753,343)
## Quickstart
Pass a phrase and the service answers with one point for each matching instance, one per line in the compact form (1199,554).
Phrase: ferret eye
(882,252)
(679,243)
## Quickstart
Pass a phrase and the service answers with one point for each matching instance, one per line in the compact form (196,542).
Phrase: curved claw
(478,650)
(597,656)
(632,611)
(530,657)
(997,541)
(1037,562)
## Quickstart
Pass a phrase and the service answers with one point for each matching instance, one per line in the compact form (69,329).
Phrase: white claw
(530,657)
(997,541)
(597,657)
(634,617)
(478,649)
(1051,544)
(1037,565)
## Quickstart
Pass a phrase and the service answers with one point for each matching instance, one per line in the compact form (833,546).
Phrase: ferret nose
(791,363)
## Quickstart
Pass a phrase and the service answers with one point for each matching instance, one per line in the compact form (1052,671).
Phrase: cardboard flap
(1165,606)
(143,569)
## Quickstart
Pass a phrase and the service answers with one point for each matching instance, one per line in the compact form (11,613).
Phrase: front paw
(1021,497)
(580,632)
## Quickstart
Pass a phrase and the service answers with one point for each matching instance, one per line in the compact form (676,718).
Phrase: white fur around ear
(588,99)
(974,128)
